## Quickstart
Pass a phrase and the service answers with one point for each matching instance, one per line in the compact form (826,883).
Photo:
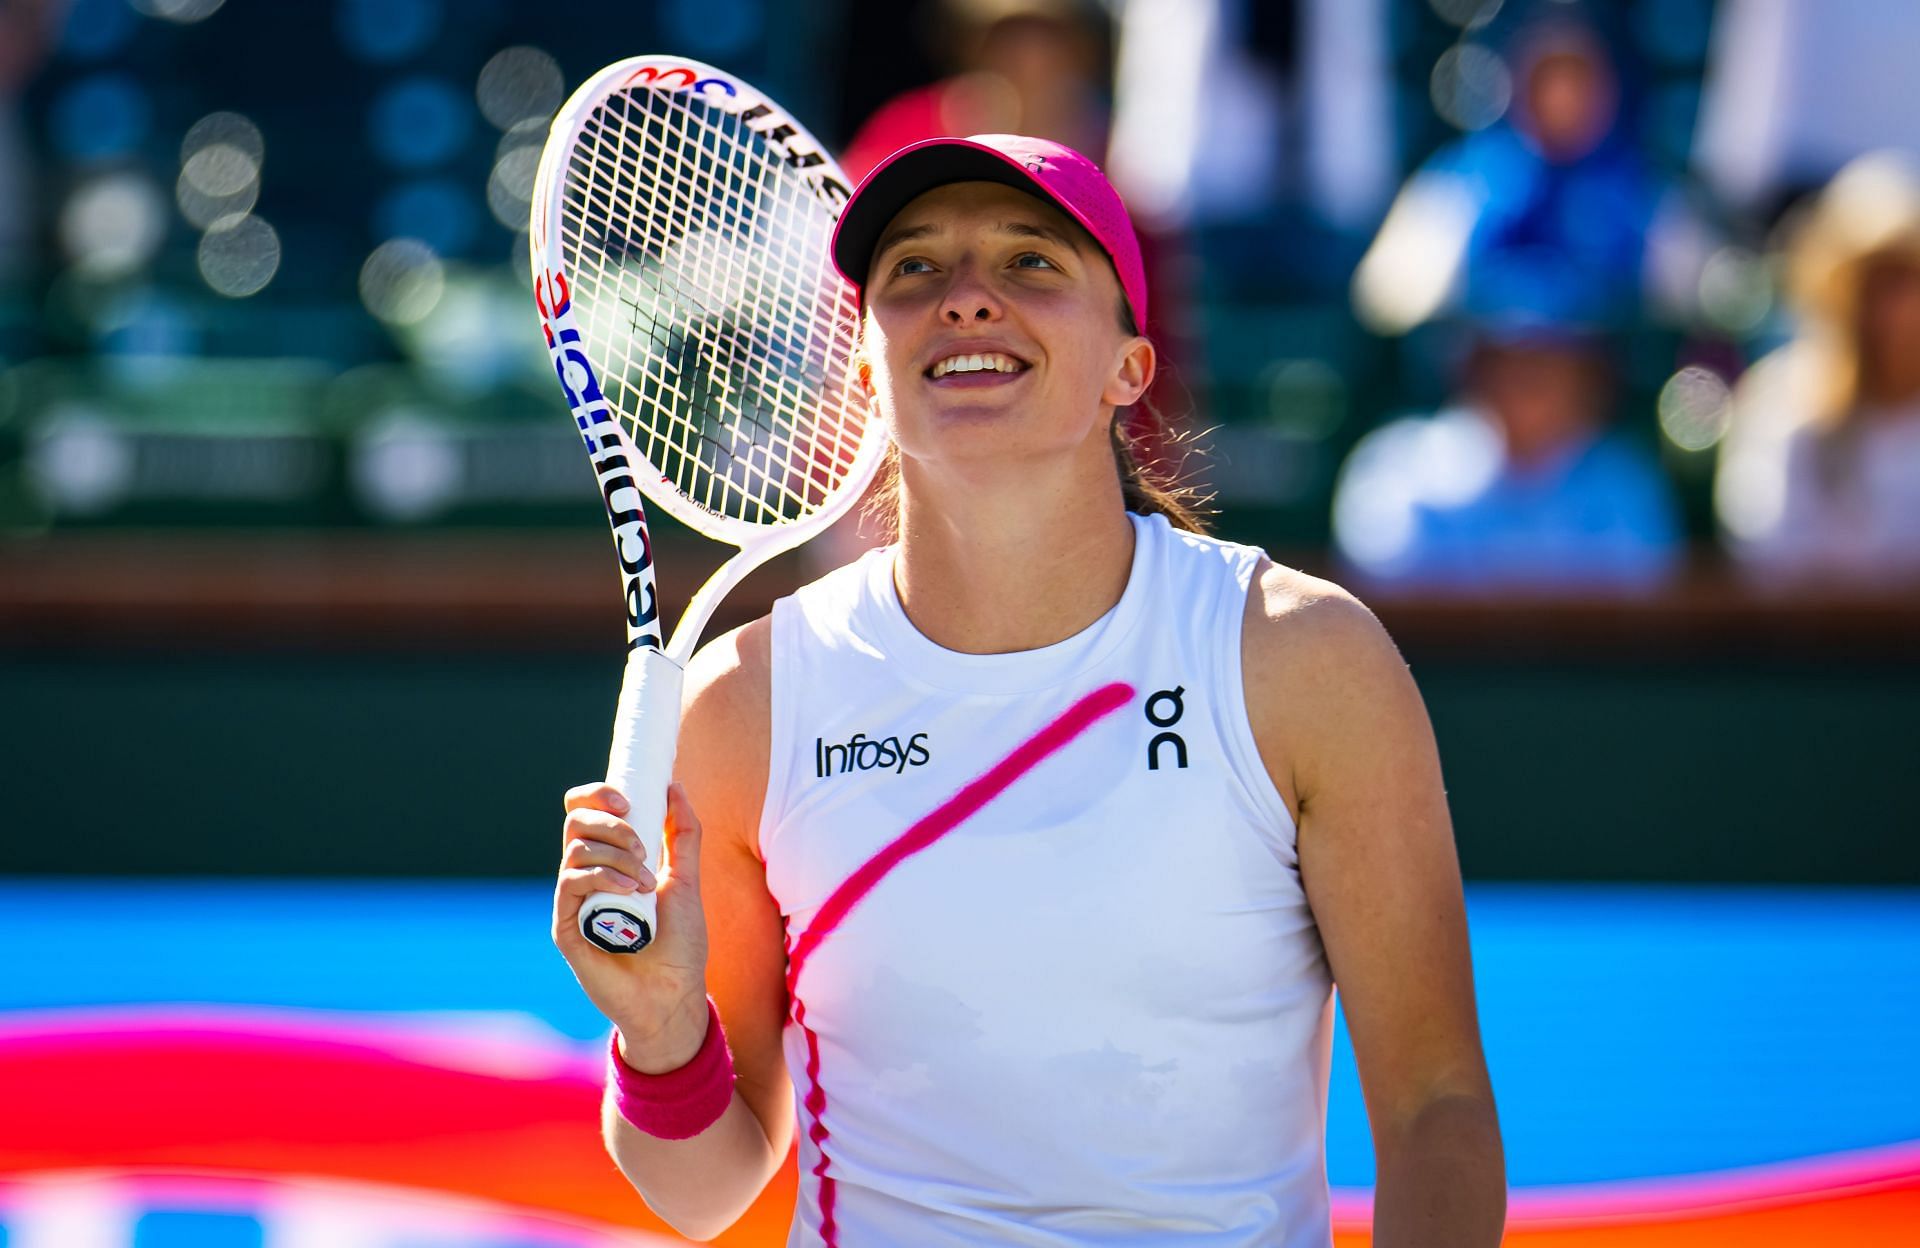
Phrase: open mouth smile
(977,368)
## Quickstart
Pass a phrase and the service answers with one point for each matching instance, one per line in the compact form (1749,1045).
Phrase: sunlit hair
(1146,485)
(1868,214)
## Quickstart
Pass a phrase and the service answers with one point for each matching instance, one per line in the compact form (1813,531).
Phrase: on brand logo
(1164,718)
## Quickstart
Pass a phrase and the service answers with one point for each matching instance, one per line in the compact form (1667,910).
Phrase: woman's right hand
(657,998)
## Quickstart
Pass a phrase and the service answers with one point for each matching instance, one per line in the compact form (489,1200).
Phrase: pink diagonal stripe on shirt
(951,813)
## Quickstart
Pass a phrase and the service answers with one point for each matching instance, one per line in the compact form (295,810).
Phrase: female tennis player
(1031,847)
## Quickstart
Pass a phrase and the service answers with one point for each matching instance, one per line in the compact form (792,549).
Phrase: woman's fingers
(589,824)
(585,881)
(600,853)
(627,859)
(596,796)
(683,839)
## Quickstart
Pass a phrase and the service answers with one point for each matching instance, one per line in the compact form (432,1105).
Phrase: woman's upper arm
(725,736)
(1343,729)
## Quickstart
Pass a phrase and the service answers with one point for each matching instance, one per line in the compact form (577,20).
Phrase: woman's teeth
(976,364)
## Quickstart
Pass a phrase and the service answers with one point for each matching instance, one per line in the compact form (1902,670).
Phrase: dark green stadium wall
(351,764)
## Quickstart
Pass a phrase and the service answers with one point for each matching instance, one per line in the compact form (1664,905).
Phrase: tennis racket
(704,341)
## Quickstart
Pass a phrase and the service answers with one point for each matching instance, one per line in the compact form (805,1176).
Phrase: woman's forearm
(1442,1178)
(699,1186)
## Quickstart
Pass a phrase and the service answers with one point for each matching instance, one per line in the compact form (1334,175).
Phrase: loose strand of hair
(1151,488)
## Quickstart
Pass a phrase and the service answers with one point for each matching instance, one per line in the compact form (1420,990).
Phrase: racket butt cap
(615,929)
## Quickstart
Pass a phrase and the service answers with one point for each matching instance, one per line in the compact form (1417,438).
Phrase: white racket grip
(646,730)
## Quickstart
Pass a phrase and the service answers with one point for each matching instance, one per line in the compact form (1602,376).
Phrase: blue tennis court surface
(1632,1031)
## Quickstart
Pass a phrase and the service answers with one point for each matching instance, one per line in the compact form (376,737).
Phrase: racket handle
(646,730)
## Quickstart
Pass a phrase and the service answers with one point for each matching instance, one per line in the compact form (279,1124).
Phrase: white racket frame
(646,725)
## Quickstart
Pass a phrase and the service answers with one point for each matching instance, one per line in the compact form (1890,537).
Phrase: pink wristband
(682,1103)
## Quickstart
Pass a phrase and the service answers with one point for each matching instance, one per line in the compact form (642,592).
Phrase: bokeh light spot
(239,255)
(402,281)
(517,84)
(406,468)
(1736,290)
(80,461)
(385,31)
(231,129)
(201,210)
(529,133)
(1471,86)
(183,12)
(1695,408)
(220,169)
(112,225)
(96,29)
(1466,14)
(420,122)
(221,158)
(100,117)
(510,188)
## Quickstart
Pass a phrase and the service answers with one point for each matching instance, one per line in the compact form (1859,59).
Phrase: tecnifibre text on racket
(680,234)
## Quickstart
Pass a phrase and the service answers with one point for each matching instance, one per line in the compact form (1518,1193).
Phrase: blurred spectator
(1022,67)
(1224,109)
(1552,196)
(1820,470)
(1534,233)
(1796,88)
(1519,485)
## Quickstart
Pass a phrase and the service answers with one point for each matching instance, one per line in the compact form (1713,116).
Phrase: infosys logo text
(864,753)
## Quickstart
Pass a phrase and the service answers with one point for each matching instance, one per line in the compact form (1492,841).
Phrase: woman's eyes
(1025,260)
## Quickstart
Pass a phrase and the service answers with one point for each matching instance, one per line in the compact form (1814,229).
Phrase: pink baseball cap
(1052,171)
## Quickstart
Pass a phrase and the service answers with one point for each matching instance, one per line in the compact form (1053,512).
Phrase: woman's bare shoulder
(1314,659)
(733,673)
(1294,617)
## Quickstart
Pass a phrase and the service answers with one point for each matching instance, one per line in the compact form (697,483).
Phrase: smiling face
(993,330)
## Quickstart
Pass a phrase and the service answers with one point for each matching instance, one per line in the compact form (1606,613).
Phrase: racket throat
(632,544)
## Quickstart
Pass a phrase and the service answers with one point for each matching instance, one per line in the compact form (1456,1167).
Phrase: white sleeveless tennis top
(1053,977)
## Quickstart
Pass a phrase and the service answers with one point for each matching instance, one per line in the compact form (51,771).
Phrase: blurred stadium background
(306,619)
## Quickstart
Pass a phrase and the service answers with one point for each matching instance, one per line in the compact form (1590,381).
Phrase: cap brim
(910,173)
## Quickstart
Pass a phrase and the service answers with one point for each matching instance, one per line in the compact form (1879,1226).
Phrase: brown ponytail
(1150,488)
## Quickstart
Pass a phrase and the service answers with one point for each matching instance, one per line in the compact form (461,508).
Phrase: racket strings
(704,291)
(658,374)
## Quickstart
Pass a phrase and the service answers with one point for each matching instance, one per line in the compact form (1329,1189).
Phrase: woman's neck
(989,570)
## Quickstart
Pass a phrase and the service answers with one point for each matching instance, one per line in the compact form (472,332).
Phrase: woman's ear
(862,361)
(1133,374)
